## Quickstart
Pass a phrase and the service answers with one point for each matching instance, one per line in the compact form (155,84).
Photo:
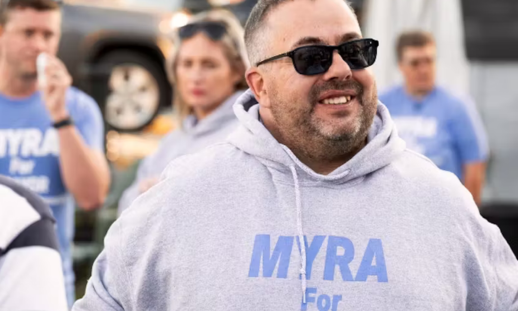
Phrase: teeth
(337,100)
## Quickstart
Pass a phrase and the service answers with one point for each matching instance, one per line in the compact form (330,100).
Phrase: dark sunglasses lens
(187,31)
(214,30)
(359,54)
(312,60)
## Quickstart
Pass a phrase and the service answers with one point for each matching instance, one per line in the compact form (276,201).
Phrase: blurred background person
(207,70)
(387,19)
(31,276)
(444,127)
(51,134)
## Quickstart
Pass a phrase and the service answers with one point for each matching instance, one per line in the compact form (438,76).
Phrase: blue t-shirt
(29,153)
(445,128)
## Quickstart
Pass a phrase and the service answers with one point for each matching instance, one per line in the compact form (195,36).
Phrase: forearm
(474,177)
(476,190)
(85,174)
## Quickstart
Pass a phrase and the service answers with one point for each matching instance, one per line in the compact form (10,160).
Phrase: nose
(196,74)
(339,69)
(39,43)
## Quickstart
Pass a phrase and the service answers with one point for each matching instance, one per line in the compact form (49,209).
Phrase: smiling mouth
(339,100)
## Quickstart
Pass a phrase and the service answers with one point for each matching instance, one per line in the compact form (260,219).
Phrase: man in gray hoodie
(312,204)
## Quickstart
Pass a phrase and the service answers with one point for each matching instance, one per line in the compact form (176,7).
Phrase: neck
(16,86)
(417,93)
(201,114)
(325,164)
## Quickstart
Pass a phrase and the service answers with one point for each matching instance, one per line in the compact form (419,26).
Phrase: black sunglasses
(4,4)
(215,30)
(414,63)
(317,59)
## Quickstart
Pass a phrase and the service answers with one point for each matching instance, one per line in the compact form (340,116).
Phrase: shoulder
(428,195)
(433,188)
(20,208)
(81,104)
(438,200)
(388,93)
(454,100)
(463,113)
(17,192)
(190,185)
(417,168)
(188,178)
(171,137)
(219,159)
(166,149)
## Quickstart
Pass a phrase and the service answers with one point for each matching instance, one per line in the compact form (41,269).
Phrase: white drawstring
(300,232)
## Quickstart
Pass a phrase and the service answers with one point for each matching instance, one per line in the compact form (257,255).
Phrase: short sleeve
(469,133)
(87,118)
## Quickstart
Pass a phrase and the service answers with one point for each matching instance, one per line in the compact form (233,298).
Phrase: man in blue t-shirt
(434,122)
(51,134)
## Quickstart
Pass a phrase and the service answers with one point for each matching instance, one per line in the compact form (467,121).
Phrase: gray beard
(300,132)
(327,148)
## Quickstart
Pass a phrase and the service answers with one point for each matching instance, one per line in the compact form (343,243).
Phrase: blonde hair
(233,46)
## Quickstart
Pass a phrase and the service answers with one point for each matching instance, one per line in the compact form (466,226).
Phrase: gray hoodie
(386,231)
(191,137)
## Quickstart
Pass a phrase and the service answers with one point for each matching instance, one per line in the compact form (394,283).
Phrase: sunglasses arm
(273,58)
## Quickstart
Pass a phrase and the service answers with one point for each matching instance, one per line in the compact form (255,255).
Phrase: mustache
(341,85)
(29,76)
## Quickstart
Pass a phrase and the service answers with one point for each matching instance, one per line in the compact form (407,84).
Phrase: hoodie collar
(253,137)
(224,112)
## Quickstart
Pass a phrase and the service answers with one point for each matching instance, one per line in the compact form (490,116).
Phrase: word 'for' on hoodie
(223,230)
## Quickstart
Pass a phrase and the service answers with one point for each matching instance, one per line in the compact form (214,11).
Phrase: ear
(255,81)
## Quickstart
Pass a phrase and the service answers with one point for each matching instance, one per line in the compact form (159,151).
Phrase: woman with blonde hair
(207,71)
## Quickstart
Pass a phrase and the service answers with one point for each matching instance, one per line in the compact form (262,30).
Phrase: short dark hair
(256,21)
(414,38)
(39,5)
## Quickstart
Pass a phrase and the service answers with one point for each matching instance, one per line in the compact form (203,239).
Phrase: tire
(130,89)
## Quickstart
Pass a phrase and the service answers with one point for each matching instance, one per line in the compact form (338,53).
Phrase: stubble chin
(337,129)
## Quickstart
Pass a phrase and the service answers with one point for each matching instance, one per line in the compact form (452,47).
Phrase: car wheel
(132,90)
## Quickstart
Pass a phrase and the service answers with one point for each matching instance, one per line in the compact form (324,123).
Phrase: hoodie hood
(224,113)
(252,137)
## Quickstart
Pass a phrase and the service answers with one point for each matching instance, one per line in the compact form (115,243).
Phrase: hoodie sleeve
(107,283)
(123,271)
(492,268)
(502,267)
